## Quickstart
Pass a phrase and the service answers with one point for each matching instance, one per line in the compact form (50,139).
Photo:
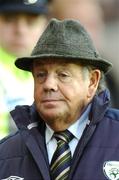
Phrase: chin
(51,113)
(49,116)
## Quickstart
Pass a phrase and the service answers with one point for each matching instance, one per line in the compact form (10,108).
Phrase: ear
(95,76)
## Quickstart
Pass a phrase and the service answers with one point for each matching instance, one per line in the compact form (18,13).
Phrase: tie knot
(65,136)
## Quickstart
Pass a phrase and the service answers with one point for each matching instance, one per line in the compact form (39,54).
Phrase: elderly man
(69,132)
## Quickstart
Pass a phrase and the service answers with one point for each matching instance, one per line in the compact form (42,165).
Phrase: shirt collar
(76,129)
(48,133)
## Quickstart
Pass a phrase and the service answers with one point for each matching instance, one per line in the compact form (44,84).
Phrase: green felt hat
(65,39)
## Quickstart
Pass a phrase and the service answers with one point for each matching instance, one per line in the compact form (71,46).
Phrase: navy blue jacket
(96,156)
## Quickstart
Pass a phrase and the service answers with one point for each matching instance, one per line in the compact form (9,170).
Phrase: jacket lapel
(37,153)
(99,106)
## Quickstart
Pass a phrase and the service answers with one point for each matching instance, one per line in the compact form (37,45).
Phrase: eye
(9,19)
(41,76)
(64,76)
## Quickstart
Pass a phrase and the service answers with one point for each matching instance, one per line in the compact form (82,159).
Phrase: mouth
(48,100)
(50,103)
(51,100)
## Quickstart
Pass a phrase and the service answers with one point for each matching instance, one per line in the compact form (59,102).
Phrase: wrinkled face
(19,32)
(62,90)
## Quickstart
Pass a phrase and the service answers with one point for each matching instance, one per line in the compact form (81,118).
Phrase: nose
(21,26)
(51,83)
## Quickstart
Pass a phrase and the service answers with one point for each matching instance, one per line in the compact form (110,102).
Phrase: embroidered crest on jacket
(30,1)
(13,178)
(111,170)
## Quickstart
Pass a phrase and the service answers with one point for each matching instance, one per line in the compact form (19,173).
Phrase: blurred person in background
(101,23)
(111,45)
(21,22)
(88,12)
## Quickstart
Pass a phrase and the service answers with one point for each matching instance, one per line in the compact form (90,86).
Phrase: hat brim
(22,8)
(25,63)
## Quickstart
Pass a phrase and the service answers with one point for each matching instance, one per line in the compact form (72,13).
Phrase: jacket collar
(99,106)
(26,116)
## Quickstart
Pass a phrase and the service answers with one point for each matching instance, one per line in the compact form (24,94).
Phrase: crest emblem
(13,178)
(111,170)
(30,1)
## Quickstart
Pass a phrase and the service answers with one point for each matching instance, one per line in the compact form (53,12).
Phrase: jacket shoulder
(12,146)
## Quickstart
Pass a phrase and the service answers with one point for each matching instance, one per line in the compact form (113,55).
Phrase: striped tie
(61,161)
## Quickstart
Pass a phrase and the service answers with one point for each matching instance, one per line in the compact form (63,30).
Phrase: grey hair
(102,82)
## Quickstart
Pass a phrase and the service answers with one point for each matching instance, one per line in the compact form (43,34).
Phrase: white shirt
(76,129)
